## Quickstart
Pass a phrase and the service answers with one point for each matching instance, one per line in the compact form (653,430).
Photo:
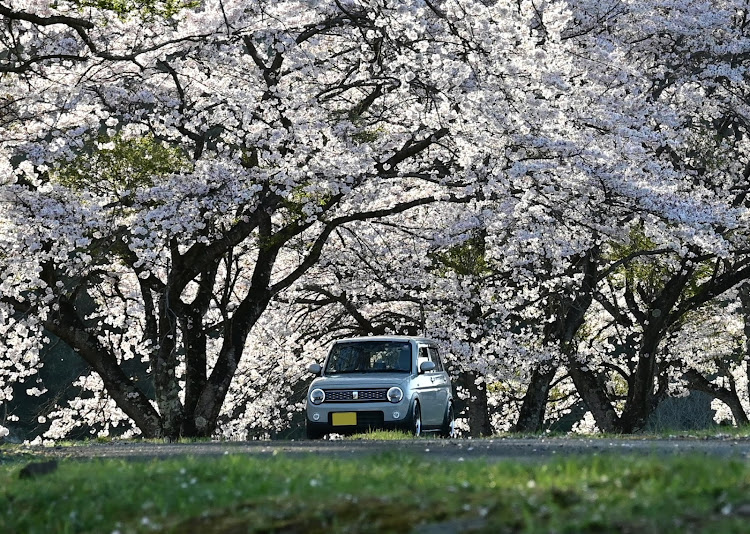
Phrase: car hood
(361,380)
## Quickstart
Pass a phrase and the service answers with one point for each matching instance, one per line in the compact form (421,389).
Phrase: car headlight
(317,396)
(395,395)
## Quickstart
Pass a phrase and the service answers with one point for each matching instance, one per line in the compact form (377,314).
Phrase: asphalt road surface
(518,449)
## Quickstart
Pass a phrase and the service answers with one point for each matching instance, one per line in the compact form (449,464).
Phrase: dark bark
(568,316)
(533,407)
(165,368)
(728,396)
(211,399)
(655,321)
(639,403)
(236,330)
(594,394)
(129,398)
(476,408)
(745,301)
(661,313)
(67,323)
(195,345)
(588,384)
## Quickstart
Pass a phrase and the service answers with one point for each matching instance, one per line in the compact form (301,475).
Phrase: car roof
(417,339)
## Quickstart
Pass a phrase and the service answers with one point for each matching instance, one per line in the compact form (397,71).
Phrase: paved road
(453,450)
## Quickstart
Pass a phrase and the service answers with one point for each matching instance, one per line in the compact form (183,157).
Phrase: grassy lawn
(391,492)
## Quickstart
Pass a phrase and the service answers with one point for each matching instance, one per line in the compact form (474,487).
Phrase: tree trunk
(476,407)
(639,404)
(728,396)
(196,346)
(196,365)
(214,393)
(744,292)
(129,398)
(587,384)
(655,320)
(531,416)
(166,385)
(594,395)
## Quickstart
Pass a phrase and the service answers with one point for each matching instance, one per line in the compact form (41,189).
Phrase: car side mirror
(426,367)
(315,369)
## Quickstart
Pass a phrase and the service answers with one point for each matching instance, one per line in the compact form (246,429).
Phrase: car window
(424,356)
(435,357)
(429,354)
(369,357)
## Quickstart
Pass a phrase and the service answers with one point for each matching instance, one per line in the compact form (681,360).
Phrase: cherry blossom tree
(196,198)
(708,354)
(696,240)
(274,124)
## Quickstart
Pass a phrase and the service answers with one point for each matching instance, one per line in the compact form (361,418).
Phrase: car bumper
(347,418)
(327,428)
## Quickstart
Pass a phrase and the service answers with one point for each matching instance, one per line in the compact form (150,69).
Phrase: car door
(424,384)
(442,384)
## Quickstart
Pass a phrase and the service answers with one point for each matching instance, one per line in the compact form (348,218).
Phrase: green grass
(713,432)
(104,440)
(385,493)
(382,435)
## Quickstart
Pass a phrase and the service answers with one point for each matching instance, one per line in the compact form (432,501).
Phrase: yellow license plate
(344,419)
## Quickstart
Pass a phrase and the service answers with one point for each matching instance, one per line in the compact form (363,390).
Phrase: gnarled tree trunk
(533,407)
(476,407)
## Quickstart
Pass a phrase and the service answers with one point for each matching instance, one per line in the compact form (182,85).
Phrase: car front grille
(356,395)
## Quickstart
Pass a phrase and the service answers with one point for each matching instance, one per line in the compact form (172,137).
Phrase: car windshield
(370,357)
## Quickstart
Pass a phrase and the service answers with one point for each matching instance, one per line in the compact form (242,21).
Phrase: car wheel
(416,420)
(448,430)
(313,433)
